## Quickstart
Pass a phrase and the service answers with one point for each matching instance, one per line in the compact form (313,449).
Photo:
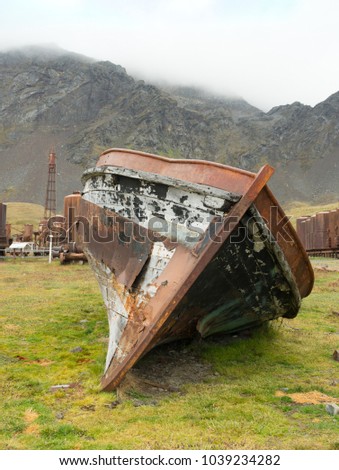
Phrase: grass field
(300,209)
(21,213)
(265,390)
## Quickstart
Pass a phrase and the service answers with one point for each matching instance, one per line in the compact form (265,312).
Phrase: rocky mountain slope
(81,107)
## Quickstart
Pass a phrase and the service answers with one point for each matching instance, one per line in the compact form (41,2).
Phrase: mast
(50,203)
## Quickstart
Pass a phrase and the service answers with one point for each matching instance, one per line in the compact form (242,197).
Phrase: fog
(267,52)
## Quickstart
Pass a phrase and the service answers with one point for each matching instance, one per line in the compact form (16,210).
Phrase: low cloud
(270,54)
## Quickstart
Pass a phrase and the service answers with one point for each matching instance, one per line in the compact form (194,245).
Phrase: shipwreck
(183,247)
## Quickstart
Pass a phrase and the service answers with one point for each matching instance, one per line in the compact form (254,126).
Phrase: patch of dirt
(165,369)
(33,428)
(39,362)
(30,416)
(310,398)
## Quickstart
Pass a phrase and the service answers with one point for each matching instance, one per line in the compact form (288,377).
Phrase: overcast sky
(269,52)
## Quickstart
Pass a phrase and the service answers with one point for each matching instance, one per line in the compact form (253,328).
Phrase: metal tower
(50,204)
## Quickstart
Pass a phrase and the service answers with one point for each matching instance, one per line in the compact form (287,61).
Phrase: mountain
(80,107)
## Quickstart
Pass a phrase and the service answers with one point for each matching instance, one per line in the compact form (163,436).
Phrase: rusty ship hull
(181,247)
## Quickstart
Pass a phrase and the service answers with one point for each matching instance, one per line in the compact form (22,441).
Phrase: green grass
(21,213)
(300,209)
(46,311)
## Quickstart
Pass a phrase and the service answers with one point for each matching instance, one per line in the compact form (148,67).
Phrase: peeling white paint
(179,213)
(116,311)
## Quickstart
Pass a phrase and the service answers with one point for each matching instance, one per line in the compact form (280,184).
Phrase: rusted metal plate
(195,171)
(286,237)
(120,244)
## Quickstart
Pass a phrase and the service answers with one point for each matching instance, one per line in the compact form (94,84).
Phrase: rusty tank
(319,233)
(184,247)
(4,230)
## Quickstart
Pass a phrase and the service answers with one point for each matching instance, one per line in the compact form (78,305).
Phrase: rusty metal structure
(319,233)
(50,201)
(41,236)
(184,247)
(17,234)
(27,235)
(4,229)
(70,252)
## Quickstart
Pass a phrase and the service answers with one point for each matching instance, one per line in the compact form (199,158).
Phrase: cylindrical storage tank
(321,234)
(43,229)
(300,225)
(8,231)
(333,228)
(3,238)
(307,223)
(303,232)
(3,209)
(28,233)
(71,212)
(313,232)
(56,228)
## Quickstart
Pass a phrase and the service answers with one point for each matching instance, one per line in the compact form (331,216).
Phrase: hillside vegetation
(21,213)
(299,209)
